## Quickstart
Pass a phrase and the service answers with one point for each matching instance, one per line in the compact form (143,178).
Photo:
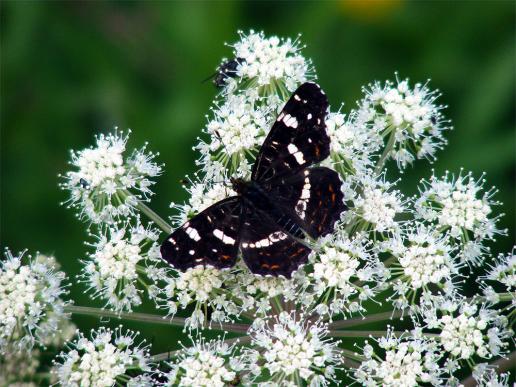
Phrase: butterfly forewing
(312,197)
(298,137)
(210,238)
(267,249)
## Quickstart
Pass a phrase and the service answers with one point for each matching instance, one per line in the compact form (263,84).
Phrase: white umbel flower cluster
(107,184)
(378,204)
(206,364)
(338,265)
(272,62)
(102,360)
(459,205)
(408,117)
(123,265)
(238,125)
(31,304)
(424,257)
(488,376)
(404,363)
(200,286)
(466,329)
(289,348)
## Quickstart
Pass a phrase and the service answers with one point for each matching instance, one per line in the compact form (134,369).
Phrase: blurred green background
(73,69)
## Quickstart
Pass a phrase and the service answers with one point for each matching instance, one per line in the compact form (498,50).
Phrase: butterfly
(286,202)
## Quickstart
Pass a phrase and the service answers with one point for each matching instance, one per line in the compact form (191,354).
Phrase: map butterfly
(285,202)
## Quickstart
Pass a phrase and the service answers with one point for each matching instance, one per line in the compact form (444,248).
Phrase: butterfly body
(285,201)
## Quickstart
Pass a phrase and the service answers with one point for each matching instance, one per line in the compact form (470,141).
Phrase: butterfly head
(239,185)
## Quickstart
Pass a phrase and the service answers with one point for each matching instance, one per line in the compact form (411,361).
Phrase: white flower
(377,204)
(458,205)
(290,346)
(465,329)
(102,360)
(424,256)
(20,369)
(353,143)
(202,195)
(487,376)
(338,264)
(238,126)
(31,305)
(255,293)
(206,364)
(503,271)
(107,184)
(405,363)
(123,265)
(201,286)
(271,62)
(407,116)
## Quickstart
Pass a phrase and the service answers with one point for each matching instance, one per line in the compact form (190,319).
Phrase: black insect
(84,183)
(284,202)
(226,70)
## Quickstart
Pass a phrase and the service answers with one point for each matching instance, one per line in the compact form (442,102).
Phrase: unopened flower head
(104,359)
(273,64)
(106,183)
(459,205)
(408,117)
(288,347)
(123,265)
(31,304)
(206,364)
(338,264)
(403,362)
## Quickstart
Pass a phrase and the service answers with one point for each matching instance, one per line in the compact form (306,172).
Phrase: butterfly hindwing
(312,197)
(298,137)
(209,238)
(267,249)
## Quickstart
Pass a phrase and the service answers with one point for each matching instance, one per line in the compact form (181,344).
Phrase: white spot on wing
(223,237)
(193,234)
(290,121)
(296,153)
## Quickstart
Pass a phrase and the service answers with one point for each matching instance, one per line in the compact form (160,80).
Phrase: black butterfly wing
(210,238)
(298,138)
(266,248)
(312,198)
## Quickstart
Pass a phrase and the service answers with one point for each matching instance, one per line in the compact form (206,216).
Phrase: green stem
(155,319)
(144,317)
(386,152)
(141,206)
(351,355)
(373,333)
(392,315)
(154,217)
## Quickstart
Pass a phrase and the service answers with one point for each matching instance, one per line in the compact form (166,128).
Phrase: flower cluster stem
(392,315)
